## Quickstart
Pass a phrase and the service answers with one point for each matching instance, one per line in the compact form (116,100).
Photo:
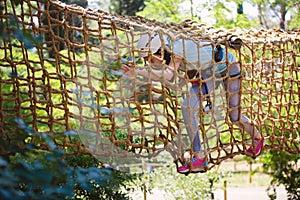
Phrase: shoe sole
(183,172)
(194,170)
(200,168)
(197,170)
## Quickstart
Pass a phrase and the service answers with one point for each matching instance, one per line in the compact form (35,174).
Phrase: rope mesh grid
(71,80)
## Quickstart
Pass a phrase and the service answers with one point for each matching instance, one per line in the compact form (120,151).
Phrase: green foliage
(242,21)
(274,13)
(193,186)
(109,188)
(82,3)
(126,7)
(30,173)
(223,17)
(165,10)
(294,23)
(12,32)
(283,168)
(270,14)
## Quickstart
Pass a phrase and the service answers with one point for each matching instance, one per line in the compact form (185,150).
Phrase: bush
(31,173)
(283,168)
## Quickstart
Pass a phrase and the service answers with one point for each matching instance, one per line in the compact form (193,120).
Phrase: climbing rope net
(61,71)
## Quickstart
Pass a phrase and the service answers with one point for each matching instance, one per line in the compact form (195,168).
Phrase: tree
(294,23)
(72,20)
(102,5)
(280,9)
(262,8)
(126,7)
(163,10)
(30,173)
(224,15)
(82,3)
(277,10)
(283,168)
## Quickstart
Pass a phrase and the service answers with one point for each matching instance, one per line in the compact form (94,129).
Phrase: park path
(244,193)
(238,189)
(249,193)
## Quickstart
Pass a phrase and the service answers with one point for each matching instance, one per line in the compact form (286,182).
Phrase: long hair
(167,55)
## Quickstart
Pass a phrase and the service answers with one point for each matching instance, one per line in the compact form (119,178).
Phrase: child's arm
(155,74)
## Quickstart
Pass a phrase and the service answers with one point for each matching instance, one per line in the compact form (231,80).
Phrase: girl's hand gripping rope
(129,71)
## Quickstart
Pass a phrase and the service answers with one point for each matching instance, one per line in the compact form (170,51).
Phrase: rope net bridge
(61,71)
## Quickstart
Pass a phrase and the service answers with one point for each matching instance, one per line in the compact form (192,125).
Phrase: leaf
(13,74)
(3,163)
(17,2)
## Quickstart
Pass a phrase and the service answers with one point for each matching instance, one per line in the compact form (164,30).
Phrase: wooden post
(145,192)
(211,186)
(144,168)
(250,173)
(225,190)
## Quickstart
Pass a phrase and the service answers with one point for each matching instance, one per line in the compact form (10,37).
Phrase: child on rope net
(190,52)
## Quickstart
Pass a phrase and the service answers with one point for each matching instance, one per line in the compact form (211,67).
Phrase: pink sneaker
(198,165)
(256,148)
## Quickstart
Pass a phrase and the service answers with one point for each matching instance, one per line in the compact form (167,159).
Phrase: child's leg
(190,111)
(233,85)
(190,108)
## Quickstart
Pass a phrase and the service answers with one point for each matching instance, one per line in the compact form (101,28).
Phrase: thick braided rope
(69,83)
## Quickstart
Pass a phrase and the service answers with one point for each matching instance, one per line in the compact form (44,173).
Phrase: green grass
(240,174)
(242,179)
